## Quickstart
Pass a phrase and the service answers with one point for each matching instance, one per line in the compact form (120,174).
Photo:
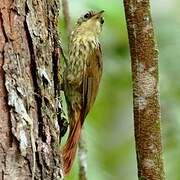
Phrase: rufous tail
(69,150)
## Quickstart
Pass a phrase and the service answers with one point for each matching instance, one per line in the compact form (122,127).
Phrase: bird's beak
(99,14)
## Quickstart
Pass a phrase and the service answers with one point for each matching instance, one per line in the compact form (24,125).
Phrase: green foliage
(109,127)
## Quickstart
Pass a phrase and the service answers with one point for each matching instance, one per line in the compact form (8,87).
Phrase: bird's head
(90,23)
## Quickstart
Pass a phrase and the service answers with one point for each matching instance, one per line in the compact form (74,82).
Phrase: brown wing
(92,78)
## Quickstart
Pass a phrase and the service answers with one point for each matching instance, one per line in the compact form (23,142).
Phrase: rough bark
(29,130)
(144,58)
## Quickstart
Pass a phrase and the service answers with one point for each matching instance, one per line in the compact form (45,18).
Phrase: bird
(82,75)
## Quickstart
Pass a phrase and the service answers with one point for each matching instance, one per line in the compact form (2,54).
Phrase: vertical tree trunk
(144,56)
(82,152)
(29,130)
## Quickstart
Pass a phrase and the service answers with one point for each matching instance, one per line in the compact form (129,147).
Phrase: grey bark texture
(29,129)
(144,58)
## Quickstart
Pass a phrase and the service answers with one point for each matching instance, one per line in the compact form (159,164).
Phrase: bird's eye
(102,20)
(86,16)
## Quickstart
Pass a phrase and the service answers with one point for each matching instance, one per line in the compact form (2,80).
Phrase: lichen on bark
(144,60)
(30,149)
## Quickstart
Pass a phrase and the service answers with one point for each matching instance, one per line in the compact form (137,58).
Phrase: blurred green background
(109,127)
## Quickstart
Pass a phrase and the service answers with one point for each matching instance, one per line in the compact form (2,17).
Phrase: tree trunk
(29,129)
(144,58)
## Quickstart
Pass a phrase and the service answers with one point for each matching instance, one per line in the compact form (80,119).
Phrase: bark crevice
(33,68)
(26,46)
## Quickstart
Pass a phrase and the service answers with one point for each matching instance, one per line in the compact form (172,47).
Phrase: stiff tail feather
(69,150)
